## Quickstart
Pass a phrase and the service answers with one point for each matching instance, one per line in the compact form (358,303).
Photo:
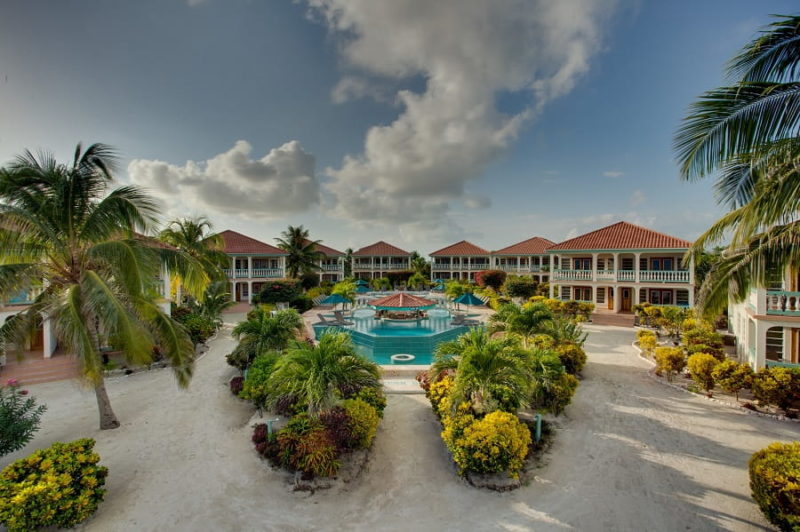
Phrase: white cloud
(637,198)
(466,51)
(614,174)
(473,201)
(282,182)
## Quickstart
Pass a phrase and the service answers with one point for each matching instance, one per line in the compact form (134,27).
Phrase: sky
(415,122)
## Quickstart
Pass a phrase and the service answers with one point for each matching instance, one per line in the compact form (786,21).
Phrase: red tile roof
(460,249)
(380,248)
(402,300)
(328,252)
(533,246)
(622,235)
(239,243)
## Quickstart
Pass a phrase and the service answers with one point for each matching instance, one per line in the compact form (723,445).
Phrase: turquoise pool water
(380,339)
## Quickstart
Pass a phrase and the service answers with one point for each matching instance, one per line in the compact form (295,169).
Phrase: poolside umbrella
(362,282)
(361,289)
(469,299)
(402,302)
(439,285)
(335,299)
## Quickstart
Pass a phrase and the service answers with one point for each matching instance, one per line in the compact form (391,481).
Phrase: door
(626,299)
(610,298)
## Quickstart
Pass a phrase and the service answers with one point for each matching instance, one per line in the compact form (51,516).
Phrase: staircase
(610,318)
(35,369)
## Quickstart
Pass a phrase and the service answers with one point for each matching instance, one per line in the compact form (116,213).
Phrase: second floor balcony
(332,267)
(255,273)
(783,303)
(381,266)
(630,276)
(447,266)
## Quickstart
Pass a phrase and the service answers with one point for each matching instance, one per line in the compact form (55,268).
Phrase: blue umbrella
(361,289)
(362,282)
(469,299)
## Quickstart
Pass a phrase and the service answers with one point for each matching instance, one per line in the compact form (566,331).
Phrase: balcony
(572,275)
(664,276)
(380,267)
(258,273)
(783,303)
(331,267)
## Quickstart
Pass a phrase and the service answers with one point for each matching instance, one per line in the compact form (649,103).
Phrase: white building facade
(461,260)
(378,259)
(253,263)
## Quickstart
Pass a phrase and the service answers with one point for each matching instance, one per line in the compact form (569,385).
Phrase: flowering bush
(776,386)
(19,417)
(373,397)
(701,368)
(495,443)
(732,376)
(438,392)
(648,340)
(59,486)
(363,423)
(669,360)
(775,483)
(572,357)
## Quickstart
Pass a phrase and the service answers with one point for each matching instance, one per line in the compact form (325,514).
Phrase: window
(601,294)
(565,292)
(581,264)
(775,343)
(627,264)
(682,297)
(582,293)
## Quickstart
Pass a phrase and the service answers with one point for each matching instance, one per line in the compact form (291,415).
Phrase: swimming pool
(379,339)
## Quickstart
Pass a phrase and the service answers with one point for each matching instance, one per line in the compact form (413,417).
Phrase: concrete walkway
(631,454)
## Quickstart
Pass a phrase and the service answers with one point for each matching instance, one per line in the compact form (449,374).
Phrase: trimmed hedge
(775,483)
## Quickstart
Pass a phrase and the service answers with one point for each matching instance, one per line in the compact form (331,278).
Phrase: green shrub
(312,452)
(438,392)
(496,443)
(493,279)
(59,486)
(519,286)
(702,338)
(279,291)
(199,327)
(255,384)
(669,360)
(309,280)
(373,397)
(302,303)
(19,417)
(701,368)
(572,357)
(648,341)
(364,420)
(775,483)
(732,376)
(776,387)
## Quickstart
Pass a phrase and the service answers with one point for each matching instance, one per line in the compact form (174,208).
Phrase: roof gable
(238,243)
(533,246)
(325,250)
(460,248)
(622,235)
(381,248)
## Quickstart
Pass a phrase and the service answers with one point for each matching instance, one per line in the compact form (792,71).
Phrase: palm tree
(317,376)
(216,299)
(749,132)
(529,321)
(499,321)
(417,280)
(564,331)
(262,331)
(303,256)
(484,367)
(59,227)
(346,289)
(419,265)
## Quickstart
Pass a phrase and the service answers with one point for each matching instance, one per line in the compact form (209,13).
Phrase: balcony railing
(378,266)
(783,303)
(664,276)
(257,273)
(781,364)
(523,268)
(332,267)
(267,272)
(645,276)
(572,275)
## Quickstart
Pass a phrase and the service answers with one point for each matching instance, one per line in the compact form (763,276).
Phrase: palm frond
(774,56)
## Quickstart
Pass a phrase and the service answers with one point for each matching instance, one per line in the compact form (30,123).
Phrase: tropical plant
(59,226)
(572,357)
(279,291)
(774,473)
(529,321)
(19,417)
(216,299)
(346,289)
(266,330)
(552,387)
(733,376)
(500,320)
(494,279)
(59,486)
(669,360)
(195,237)
(748,131)
(317,376)
(302,253)
(380,284)
(701,368)
(363,422)
(348,263)
(455,288)
(776,387)
(520,286)
(255,386)
(417,280)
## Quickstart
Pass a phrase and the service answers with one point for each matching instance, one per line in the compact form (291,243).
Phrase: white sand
(631,455)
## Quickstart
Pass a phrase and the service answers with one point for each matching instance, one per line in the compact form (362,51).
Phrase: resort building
(621,265)
(331,268)
(529,258)
(376,260)
(461,260)
(767,324)
(252,263)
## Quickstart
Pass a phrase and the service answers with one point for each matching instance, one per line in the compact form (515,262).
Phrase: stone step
(618,320)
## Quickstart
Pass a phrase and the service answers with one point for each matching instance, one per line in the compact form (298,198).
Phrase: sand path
(630,455)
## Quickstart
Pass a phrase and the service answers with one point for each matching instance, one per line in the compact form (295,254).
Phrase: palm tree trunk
(108,420)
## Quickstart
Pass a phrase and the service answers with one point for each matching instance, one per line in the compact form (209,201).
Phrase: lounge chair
(339,315)
(458,319)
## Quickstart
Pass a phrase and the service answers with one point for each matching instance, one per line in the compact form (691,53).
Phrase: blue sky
(414,122)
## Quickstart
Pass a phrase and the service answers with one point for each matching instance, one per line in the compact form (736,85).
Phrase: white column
(233,290)
(691,273)
(250,267)
(691,296)
(552,290)
(636,258)
(594,266)
(636,296)
(617,298)
(519,263)
(49,343)
(761,343)
(249,291)
(165,279)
